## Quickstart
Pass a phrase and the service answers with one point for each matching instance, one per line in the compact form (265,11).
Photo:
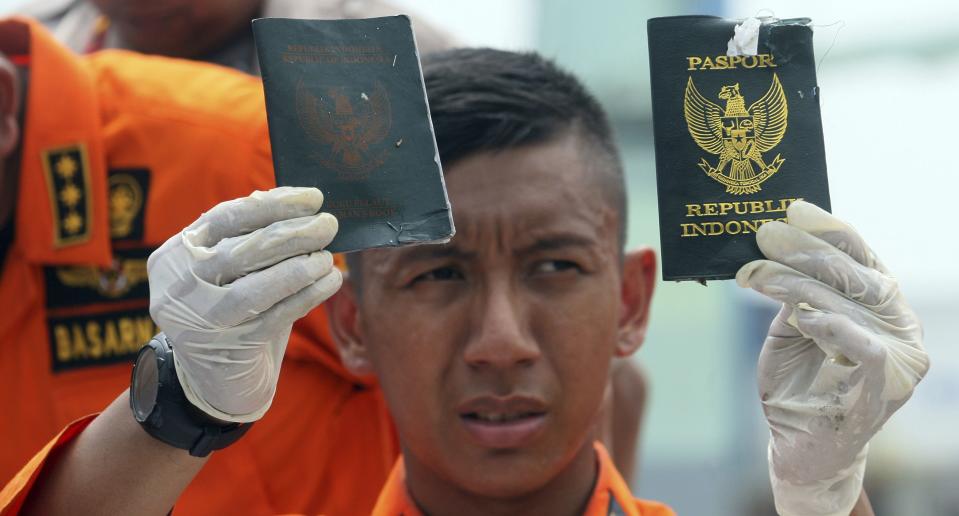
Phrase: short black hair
(487,100)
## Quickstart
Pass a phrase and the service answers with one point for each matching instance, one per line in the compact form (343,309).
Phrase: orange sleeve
(15,492)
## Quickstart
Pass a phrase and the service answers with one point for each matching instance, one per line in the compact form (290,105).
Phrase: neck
(9,185)
(567,494)
(10,164)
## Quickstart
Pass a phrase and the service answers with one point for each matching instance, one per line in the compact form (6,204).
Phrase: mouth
(503,423)
(498,417)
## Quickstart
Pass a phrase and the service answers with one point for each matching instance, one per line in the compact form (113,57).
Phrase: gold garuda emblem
(349,126)
(126,201)
(739,136)
(113,282)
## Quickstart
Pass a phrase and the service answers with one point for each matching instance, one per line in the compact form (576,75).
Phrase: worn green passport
(347,111)
(737,134)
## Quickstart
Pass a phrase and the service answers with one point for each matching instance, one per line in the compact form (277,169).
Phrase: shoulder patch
(67,173)
(129,190)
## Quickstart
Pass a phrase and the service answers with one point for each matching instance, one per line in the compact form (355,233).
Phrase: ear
(9,105)
(636,290)
(344,320)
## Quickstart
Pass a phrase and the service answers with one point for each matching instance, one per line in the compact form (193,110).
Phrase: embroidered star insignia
(73,222)
(70,195)
(66,167)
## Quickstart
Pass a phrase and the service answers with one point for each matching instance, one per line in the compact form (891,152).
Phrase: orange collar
(611,495)
(61,215)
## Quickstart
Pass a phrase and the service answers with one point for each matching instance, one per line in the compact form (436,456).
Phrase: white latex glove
(227,289)
(844,353)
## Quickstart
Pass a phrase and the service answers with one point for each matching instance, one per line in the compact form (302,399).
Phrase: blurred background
(889,76)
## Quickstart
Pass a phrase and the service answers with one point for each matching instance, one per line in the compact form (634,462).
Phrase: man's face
(493,350)
(178,28)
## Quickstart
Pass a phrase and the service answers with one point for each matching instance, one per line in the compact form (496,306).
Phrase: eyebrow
(433,252)
(555,242)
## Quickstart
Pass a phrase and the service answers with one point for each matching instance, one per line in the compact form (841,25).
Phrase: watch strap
(175,421)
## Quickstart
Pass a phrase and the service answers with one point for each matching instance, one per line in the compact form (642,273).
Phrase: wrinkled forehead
(528,182)
(510,200)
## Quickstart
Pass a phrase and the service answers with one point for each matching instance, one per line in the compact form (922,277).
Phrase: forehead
(506,200)
(527,187)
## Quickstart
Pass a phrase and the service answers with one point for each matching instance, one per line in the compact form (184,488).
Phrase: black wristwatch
(161,408)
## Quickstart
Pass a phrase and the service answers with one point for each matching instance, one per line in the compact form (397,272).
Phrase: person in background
(103,158)
(218,31)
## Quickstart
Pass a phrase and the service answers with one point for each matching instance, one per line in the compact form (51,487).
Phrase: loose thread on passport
(767,15)
(835,37)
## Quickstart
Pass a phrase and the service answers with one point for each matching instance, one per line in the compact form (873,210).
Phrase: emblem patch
(129,188)
(68,180)
(98,316)
(114,282)
(738,135)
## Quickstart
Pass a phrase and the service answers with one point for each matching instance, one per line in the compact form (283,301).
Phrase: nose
(501,338)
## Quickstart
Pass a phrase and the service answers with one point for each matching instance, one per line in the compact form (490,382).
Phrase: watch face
(145,384)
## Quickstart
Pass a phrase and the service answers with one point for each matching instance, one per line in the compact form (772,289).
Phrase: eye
(556,266)
(440,274)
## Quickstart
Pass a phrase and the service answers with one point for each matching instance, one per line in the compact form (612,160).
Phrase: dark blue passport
(738,138)
(348,114)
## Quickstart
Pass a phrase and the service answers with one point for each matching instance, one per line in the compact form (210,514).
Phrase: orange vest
(610,497)
(119,152)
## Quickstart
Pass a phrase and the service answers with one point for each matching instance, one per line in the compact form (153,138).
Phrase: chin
(510,474)
(500,484)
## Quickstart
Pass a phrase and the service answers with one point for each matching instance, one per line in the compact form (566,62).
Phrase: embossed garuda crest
(349,126)
(738,135)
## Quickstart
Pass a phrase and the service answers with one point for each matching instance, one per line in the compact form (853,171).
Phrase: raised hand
(844,353)
(227,289)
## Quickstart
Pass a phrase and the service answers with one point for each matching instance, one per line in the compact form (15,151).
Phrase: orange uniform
(610,496)
(119,152)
